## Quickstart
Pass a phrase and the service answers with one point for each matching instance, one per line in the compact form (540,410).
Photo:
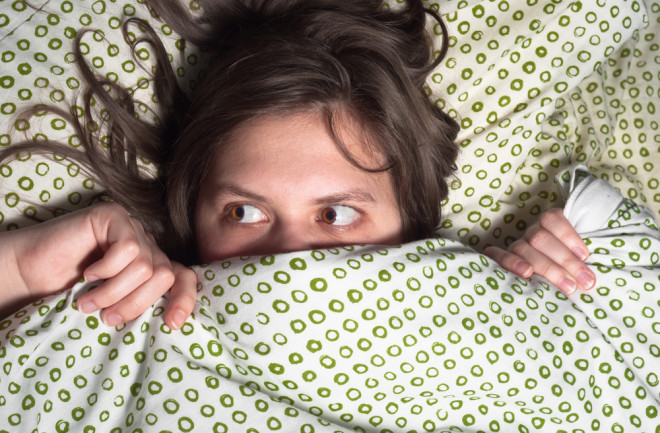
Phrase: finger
(126,232)
(545,267)
(555,222)
(141,299)
(126,263)
(119,286)
(114,260)
(554,250)
(119,237)
(183,295)
(510,261)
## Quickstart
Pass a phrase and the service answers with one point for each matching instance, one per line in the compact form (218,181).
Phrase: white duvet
(429,336)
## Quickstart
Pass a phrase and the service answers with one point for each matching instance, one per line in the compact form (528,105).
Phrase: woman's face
(281,184)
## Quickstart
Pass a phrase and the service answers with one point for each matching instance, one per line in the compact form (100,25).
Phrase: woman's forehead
(299,137)
(296,154)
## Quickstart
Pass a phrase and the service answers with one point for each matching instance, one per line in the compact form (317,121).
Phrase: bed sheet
(429,336)
(538,86)
(38,67)
(535,85)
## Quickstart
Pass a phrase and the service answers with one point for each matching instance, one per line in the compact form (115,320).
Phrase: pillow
(38,68)
(511,78)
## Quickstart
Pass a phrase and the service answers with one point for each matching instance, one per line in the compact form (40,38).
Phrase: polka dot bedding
(429,336)
(536,85)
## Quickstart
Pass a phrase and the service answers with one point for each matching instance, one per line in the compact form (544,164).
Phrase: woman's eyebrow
(353,195)
(223,189)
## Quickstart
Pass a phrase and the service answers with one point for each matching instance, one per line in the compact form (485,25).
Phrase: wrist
(13,291)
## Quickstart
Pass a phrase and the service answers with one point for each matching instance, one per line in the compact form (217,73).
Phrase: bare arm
(98,243)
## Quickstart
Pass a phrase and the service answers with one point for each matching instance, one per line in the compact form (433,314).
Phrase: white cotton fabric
(429,336)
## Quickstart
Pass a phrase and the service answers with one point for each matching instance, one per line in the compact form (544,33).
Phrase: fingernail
(178,319)
(581,253)
(567,285)
(88,307)
(523,269)
(113,319)
(585,280)
(91,278)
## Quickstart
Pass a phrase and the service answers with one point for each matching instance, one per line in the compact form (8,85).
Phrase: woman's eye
(244,213)
(339,215)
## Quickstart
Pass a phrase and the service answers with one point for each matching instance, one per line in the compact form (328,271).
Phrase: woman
(310,129)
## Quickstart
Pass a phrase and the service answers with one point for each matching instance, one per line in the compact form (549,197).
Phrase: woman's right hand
(102,242)
(552,249)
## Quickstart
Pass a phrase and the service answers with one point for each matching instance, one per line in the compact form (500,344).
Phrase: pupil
(239,212)
(330,215)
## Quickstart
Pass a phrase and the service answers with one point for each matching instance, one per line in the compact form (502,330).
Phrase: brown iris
(237,213)
(329,215)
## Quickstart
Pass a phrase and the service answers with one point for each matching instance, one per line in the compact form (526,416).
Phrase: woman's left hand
(101,242)
(552,249)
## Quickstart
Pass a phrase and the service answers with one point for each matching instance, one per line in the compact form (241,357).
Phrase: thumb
(116,234)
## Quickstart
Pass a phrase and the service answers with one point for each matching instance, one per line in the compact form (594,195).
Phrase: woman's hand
(552,249)
(102,242)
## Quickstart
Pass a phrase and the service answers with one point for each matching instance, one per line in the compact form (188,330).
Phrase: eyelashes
(339,215)
(246,214)
(335,215)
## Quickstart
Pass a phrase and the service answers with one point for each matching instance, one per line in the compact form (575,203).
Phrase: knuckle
(164,276)
(567,237)
(550,217)
(184,273)
(131,247)
(544,269)
(538,239)
(143,268)
(549,270)
(570,265)
(510,262)
(134,308)
(518,247)
(186,283)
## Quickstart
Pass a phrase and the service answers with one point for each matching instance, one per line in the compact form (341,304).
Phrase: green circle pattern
(36,67)
(425,337)
(536,86)
(430,336)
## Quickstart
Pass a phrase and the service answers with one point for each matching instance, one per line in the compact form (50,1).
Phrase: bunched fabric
(429,336)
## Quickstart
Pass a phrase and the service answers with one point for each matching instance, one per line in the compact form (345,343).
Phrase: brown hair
(271,57)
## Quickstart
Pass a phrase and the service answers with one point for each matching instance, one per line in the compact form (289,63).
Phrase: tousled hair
(339,59)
